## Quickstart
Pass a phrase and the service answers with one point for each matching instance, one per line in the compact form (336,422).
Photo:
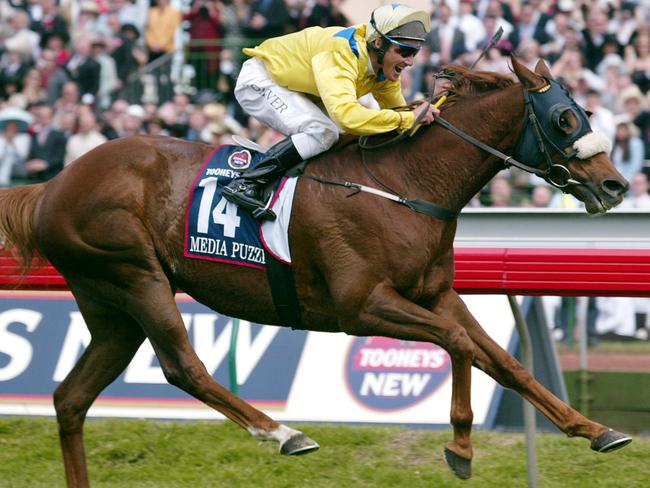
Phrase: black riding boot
(245,190)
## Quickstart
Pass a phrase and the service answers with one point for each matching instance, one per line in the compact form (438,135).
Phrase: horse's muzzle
(615,188)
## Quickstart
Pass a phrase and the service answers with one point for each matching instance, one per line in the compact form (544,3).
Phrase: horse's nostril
(615,187)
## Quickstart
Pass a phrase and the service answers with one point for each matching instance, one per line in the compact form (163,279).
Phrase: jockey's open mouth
(393,67)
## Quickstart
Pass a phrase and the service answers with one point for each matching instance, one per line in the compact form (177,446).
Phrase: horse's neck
(459,169)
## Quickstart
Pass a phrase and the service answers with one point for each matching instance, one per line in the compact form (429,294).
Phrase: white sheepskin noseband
(591,144)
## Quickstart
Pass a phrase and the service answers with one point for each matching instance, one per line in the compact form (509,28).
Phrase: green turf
(134,453)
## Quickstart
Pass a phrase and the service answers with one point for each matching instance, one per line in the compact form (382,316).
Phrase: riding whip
(495,38)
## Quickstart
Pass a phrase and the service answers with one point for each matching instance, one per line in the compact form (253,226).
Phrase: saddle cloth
(217,230)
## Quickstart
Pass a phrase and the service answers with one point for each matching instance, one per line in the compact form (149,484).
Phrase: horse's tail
(17,207)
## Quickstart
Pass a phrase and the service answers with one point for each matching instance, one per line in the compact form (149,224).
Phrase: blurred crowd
(75,73)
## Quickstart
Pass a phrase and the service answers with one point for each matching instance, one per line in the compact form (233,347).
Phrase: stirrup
(265,212)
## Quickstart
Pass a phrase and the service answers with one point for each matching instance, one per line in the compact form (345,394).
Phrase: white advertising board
(291,375)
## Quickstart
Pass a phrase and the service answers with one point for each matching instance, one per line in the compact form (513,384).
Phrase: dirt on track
(606,360)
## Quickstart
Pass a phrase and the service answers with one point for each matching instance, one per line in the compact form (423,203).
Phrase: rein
(556,174)
(546,173)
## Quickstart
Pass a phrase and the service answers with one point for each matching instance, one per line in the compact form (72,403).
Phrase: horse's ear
(541,68)
(532,81)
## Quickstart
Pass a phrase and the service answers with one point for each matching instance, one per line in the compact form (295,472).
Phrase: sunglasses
(405,50)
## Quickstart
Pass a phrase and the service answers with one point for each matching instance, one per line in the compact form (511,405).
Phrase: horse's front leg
(508,372)
(387,313)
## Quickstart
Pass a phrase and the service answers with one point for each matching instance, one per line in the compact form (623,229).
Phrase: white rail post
(530,423)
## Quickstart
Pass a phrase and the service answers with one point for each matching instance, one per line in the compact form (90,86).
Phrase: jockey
(307,86)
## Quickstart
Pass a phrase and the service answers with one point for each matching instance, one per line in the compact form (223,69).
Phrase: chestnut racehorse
(112,223)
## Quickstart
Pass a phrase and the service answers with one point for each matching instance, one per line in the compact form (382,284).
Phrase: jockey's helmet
(395,21)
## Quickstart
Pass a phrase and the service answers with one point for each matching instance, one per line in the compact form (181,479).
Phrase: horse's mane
(469,83)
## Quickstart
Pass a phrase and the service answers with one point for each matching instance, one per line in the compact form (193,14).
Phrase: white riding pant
(290,113)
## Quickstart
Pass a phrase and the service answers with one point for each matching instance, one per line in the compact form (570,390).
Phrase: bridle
(543,111)
(547,132)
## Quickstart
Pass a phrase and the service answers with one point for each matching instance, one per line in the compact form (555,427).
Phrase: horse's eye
(564,123)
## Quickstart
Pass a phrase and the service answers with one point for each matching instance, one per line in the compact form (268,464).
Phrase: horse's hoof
(298,444)
(610,441)
(460,466)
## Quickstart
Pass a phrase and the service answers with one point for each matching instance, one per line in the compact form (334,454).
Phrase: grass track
(134,453)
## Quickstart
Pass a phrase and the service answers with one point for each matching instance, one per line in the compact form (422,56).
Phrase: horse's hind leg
(156,311)
(508,372)
(115,339)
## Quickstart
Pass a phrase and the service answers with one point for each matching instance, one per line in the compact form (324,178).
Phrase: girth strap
(283,291)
